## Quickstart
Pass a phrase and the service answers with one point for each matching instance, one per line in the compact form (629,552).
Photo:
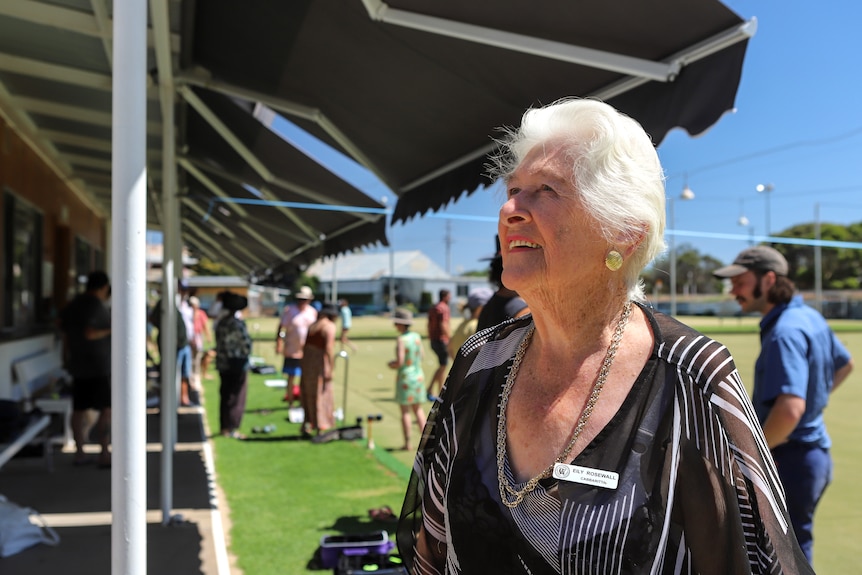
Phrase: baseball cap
(757,258)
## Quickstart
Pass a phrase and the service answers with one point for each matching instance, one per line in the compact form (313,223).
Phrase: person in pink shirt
(292,331)
(198,342)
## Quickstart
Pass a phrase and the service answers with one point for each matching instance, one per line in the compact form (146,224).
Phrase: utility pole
(448,241)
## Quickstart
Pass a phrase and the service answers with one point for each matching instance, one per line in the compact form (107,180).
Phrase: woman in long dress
(410,381)
(317,364)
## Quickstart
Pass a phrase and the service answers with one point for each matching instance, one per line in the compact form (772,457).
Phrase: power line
(448,241)
(770,151)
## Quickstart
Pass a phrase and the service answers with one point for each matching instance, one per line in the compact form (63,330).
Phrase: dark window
(83,263)
(22,265)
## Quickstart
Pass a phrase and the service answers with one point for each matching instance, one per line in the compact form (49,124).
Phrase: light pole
(686,195)
(391,303)
(765,189)
(818,262)
(743,221)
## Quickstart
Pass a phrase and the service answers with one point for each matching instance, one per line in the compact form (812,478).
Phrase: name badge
(586,475)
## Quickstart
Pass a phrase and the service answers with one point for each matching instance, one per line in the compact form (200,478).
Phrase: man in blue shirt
(801,362)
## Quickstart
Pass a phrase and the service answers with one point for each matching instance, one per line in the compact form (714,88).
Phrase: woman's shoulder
(496,344)
(692,351)
(676,341)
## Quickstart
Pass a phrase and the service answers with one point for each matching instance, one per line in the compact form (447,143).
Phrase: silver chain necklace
(510,496)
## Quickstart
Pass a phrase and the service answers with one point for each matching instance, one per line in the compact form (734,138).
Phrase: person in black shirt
(86,326)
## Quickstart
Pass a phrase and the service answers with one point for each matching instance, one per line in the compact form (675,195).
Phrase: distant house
(365,279)
(262,301)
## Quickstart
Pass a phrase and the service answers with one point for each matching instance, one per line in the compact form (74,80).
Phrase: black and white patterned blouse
(698,491)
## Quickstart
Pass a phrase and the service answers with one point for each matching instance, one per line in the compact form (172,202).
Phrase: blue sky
(797,126)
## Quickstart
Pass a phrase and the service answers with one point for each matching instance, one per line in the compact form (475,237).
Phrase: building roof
(217,281)
(370,266)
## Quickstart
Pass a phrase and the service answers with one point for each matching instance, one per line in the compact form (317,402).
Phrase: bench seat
(29,434)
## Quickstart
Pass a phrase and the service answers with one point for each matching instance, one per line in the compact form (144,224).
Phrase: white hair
(614,169)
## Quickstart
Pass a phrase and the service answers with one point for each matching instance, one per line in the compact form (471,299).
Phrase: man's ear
(770,278)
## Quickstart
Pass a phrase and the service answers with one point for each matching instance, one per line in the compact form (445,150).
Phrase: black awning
(291,202)
(420,108)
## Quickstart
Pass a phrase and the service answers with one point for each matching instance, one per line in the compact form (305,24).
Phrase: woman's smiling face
(546,238)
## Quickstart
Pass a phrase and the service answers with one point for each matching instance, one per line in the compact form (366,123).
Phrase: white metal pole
(170,254)
(128,262)
(672,259)
(335,279)
(391,302)
(168,351)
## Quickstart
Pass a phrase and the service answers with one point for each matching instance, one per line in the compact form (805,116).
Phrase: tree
(207,267)
(841,268)
(693,273)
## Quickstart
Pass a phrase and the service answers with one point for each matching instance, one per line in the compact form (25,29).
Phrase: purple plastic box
(333,546)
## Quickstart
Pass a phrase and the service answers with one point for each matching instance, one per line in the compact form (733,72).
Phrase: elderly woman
(594,435)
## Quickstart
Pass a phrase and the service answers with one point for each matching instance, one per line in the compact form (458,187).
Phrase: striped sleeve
(720,456)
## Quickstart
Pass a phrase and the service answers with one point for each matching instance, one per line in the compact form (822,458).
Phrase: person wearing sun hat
(801,362)
(292,331)
(233,348)
(410,379)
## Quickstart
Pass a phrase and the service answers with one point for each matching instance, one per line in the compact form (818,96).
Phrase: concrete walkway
(76,502)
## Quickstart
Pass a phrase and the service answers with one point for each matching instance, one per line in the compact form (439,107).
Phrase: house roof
(370,266)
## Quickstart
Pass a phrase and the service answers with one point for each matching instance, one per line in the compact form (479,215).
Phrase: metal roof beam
(308,231)
(23,125)
(193,170)
(214,254)
(51,15)
(104,25)
(202,79)
(55,72)
(687,56)
(58,137)
(219,251)
(88,162)
(74,113)
(258,166)
(262,240)
(658,71)
(205,216)
(245,153)
(640,70)
(67,19)
(63,74)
